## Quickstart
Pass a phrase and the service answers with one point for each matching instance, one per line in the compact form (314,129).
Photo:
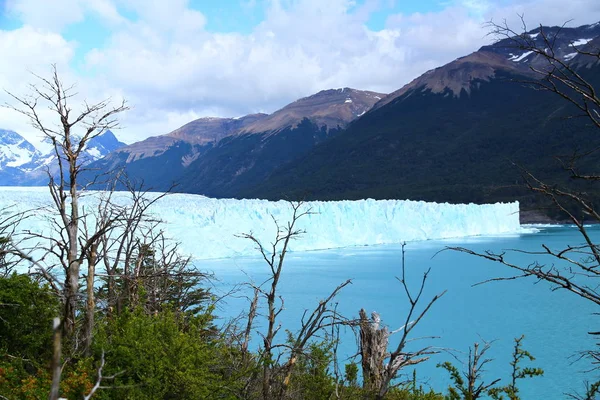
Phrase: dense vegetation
(163,354)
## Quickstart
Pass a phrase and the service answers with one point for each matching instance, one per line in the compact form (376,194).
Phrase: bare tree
(578,266)
(575,269)
(565,77)
(93,120)
(472,386)
(278,360)
(377,373)
(56,356)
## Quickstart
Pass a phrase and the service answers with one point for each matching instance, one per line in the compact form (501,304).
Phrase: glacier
(209,228)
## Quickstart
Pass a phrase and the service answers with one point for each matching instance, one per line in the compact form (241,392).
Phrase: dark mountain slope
(242,161)
(455,133)
(159,161)
(220,156)
(438,146)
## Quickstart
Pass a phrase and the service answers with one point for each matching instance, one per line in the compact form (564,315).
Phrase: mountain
(21,163)
(160,160)
(15,154)
(333,108)
(451,135)
(15,150)
(565,43)
(102,145)
(220,156)
(462,75)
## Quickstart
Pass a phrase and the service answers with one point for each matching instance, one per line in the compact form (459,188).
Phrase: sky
(178,60)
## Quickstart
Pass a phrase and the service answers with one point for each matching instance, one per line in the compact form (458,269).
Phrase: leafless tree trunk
(90,309)
(276,377)
(274,257)
(93,120)
(248,330)
(373,342)
(377,373)
(56,356)
(475,388)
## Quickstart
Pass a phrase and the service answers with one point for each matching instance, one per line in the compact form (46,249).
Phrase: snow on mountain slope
(15,151)
(566,41)
(207,228)
(25,164)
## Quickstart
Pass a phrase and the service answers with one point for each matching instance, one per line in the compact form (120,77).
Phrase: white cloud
(172,70)
(47,15)
(28,50)
(55,15)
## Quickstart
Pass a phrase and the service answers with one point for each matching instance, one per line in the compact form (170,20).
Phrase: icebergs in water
(210,228)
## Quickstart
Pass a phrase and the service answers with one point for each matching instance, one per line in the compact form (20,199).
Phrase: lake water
(555,323)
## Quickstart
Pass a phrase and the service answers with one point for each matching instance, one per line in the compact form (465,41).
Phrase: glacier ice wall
(207,228)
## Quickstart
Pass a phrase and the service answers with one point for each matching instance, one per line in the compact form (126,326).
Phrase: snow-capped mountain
(21,163)
(566,43)
(15,150)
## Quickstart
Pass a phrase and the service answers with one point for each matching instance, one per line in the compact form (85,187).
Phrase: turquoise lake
(555,323)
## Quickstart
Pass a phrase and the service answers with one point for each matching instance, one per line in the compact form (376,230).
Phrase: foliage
(406,391)
(16,380)
(469,385)
(26,312)
(157,278)
(519,354)
(312,375)
(160,356)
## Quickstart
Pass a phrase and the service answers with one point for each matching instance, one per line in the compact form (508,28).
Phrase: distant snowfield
(207,228)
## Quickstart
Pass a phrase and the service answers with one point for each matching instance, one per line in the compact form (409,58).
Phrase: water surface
(555,323)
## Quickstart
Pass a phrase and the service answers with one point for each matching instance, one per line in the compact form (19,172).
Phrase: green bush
(26,313)
(161,357)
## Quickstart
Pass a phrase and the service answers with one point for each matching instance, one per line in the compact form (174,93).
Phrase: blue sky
(222,16)
(178,60)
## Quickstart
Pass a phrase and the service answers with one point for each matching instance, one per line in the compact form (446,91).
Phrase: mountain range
(21,163)
(459,133)
(222,156)
(453,134)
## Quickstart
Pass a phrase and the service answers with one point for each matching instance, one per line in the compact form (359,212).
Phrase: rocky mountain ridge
(220,151)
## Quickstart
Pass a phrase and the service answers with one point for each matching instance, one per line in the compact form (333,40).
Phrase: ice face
(211,228)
